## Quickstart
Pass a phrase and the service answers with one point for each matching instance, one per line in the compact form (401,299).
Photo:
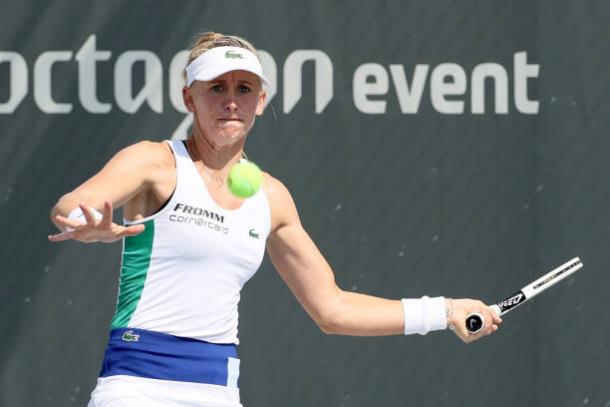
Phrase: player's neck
(214,157)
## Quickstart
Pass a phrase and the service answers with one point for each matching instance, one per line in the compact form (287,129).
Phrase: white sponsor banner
(451,89)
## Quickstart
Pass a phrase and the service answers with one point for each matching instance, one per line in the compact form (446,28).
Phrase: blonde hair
(207,40)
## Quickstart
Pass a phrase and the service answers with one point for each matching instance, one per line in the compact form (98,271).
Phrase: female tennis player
(189,245)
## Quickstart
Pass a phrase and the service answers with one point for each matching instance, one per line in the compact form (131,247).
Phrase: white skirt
(130,391)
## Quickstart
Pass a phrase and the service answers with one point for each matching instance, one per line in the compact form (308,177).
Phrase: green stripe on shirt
(134,268)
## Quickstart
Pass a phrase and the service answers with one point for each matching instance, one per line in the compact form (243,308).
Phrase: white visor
(220,60)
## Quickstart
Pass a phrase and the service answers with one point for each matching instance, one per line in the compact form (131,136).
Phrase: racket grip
(475,322)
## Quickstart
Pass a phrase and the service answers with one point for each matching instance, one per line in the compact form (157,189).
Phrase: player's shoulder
(148,152)
(275,189)
(281,203)
(148,147)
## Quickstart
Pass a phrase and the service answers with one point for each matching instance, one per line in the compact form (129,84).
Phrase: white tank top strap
(182,156)
(188,179)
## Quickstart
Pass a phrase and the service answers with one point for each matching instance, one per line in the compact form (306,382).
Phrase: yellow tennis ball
(245,179)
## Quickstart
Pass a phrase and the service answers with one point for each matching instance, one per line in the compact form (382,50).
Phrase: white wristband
(78,215)
(424,314)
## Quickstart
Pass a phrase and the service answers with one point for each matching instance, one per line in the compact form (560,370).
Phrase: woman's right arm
(133,171)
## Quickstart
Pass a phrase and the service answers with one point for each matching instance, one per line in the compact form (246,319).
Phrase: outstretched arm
(310,278)
(132,172)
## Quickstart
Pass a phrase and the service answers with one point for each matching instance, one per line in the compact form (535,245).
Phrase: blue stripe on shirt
(155,355)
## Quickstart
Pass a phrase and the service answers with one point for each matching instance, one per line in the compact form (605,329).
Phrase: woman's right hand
(102,230)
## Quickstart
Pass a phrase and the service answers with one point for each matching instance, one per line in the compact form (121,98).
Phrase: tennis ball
(245,179)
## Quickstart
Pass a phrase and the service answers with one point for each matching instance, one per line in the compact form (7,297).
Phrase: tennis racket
(474,321)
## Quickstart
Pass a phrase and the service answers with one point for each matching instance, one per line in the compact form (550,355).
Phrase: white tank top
(183,274)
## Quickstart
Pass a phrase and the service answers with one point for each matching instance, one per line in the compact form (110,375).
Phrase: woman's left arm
(310,278)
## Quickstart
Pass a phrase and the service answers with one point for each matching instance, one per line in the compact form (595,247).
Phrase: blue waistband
(155,355)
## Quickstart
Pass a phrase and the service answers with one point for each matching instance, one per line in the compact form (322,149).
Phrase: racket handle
(475,322)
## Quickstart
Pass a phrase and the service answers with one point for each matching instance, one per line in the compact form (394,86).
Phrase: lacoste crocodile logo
(253,233)
(233,55)
(129,336)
